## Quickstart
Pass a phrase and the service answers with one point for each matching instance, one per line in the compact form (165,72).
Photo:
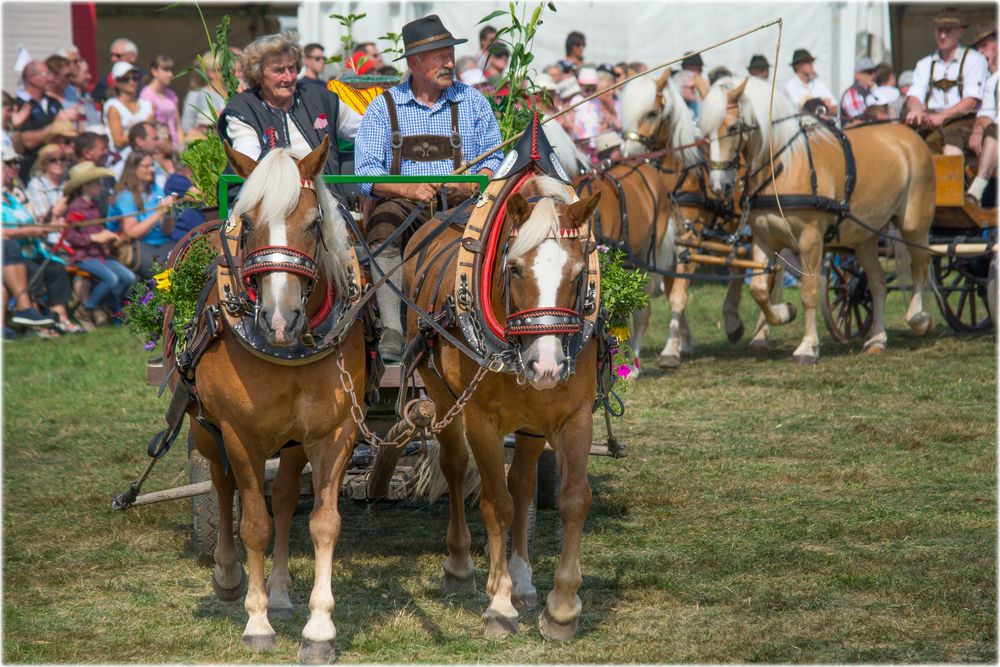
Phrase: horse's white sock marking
(520,575)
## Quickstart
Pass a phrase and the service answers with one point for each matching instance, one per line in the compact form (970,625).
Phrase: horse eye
(515,270)
(316,223)
(247,222)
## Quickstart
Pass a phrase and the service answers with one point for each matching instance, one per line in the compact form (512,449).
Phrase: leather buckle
(396,140)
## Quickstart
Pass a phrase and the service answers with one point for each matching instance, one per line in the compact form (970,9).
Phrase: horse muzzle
(282,327)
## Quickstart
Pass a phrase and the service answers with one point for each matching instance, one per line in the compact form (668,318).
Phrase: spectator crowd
(94,192)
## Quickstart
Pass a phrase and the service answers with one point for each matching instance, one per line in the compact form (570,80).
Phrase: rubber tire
(547,497)
(205,510)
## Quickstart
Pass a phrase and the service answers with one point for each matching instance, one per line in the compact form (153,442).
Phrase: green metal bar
(482,180)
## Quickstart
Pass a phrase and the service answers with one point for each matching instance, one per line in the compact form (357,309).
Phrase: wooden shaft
(962,248)
(722,261)
(713,246)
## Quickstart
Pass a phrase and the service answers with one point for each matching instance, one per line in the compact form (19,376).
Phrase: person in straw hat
(427,125)
(947,87)
(89,243)
(983,139)
(45,189)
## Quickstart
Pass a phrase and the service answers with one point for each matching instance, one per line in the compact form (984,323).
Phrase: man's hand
(459,192)
(21,114)
(915,117)
(936,119)
(103,236)
(976,142)
(59,208)
(420,191)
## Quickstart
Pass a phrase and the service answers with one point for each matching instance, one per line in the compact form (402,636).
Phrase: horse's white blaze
(276,283)
(715,176)
(548,268)
(520,575)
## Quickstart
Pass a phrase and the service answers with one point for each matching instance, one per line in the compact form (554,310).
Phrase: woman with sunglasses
(164,100)
(125,109)
(45,189)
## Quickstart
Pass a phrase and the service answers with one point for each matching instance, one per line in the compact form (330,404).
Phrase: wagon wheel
(960,287)
(845,300)
(205,510)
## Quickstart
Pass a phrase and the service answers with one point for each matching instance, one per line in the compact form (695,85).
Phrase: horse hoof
(669,362)
(231,594)
(453,585)
(554,631)
(735,336)
(259,642)
(922,324)
(499,627)
(525,603)
(758,346)
(279,613)
(317,653)
(874,348)
(805,359)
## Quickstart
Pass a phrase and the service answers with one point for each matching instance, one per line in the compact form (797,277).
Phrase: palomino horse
(655,119)
(540,274)
(288,217)
(894,182)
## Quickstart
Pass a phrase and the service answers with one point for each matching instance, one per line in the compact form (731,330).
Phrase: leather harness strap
(944,85)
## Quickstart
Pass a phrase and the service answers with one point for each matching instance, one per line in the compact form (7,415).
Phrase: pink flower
(320,122)
(624,370)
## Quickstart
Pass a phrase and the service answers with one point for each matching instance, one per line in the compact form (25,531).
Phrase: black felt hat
(801,56)
(758,60)
(426,34)
(692,61)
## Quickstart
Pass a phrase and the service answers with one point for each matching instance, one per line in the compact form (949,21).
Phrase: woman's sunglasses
(128,78)
(16,162)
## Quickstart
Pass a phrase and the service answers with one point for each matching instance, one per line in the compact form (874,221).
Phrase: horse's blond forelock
(682,123)
(637,98)
(544,218)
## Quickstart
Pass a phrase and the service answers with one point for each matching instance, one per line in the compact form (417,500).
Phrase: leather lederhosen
(422,147)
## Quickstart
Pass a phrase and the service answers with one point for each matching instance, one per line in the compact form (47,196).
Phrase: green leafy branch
(347,40)
(395,39)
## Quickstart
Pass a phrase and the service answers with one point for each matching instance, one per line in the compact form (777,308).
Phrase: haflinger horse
(822,196)
(534,291)
(656,121)
(292,249)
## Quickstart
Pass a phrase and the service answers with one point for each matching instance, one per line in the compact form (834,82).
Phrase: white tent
(836,33)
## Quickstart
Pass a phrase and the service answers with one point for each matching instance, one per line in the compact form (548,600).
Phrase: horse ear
(581,211)
(736,92)
(312,165)
(242,164)
(517,208)
(662,81)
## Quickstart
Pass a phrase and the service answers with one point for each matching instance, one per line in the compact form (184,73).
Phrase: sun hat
(906,78)
(61,128)
(866,64)
(122,68)
(545,82)
(587,76)
(984,30)
(83,173)
(758,60)
(473,77)
(567,88)
(426,34)
(949,17)
(882,96)
(801,55)
(607,140)
(47,151)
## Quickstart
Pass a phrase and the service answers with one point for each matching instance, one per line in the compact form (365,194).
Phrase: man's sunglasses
(16,162)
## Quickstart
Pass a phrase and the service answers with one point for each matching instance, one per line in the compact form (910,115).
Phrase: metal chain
(438,426)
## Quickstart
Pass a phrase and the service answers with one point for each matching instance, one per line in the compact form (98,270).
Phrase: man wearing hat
(983,140)
(427,125)
(63,134)
(759,67)
(852,102)
(947,87)
(806,85)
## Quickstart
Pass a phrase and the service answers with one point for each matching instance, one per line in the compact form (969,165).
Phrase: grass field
(766,513)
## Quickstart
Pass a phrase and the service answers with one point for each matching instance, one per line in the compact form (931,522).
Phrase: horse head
(293,238)
(654,116)
(544,276)
(724,120)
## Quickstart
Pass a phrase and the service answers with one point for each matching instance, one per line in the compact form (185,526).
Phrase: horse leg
(867,254)
(497,508)
(284,498)
(561,616)
(921,323)
(255,530)
(329,458)
(522,480)
(761,285)
(459,570)
(679,334)
(811,254)
(640,320)
(731,310)
(228,576)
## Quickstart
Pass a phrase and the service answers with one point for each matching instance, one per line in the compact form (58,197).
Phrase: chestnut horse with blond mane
(893,182)
(291,230)
(545,401)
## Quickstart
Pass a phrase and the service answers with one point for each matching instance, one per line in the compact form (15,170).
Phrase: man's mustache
(446,71)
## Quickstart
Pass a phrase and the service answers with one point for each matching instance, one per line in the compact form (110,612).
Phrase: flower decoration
(320,122)
(163,280)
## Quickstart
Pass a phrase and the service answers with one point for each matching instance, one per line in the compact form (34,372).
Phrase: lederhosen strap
(944,85)
(422,147)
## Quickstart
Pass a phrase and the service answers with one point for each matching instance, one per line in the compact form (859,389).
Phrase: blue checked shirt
(476,123)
